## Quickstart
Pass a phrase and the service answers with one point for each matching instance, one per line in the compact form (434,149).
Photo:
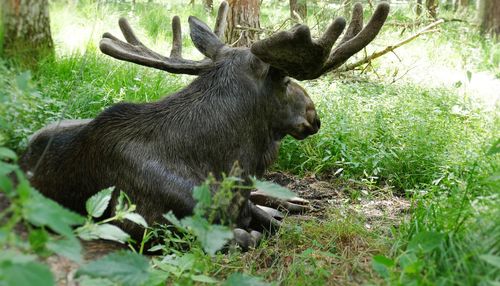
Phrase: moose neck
(232,112)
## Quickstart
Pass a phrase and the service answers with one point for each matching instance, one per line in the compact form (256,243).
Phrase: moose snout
(316,125)
(313,128)
(305,128)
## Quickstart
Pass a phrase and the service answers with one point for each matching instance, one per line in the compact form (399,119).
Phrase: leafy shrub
(405,135)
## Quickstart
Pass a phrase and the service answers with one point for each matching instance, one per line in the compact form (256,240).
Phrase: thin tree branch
(388,49)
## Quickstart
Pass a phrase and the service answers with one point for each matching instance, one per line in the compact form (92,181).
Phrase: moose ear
(203,38)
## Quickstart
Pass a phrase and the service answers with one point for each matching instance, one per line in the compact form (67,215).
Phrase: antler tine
(176,51)
(221,21)
(135,51)
(332,33)
(355,25)
(353,45)
(127,32)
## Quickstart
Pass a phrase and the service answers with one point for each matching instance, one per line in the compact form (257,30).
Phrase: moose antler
(135,51)
(303,58)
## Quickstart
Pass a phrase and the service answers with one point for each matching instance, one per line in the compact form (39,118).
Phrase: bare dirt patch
(377,205)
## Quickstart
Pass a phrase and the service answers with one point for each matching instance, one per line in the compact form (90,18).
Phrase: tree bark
(431,6)
(489,17)
(298,9)
(243,22)
(448,4)
(419,8)
(208,4)
(27,36)
(463,4)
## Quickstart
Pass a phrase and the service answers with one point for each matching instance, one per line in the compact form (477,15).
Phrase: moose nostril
(318,123)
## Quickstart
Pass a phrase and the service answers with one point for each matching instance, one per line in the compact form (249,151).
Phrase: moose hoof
(263,221)
(272,212)
(256,235)
(244,239)
(293,205)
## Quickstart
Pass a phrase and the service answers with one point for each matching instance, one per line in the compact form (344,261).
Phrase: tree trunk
(489,17)
(208,4)
(243,22)
(461,4)
(298,10)
(419,8)
(431,6)
(448,4)
(27,35)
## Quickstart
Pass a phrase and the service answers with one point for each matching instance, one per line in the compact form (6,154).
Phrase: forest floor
(375,212)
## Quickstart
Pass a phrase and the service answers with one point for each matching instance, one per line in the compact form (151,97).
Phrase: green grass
(404,135)
(425,140)
(73,87)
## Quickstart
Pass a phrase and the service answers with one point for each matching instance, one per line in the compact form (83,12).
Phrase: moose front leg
(292,205)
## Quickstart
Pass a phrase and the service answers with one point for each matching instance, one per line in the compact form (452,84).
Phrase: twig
(388,49)
(259,30)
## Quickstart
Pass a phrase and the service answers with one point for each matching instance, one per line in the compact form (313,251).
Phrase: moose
(242,103)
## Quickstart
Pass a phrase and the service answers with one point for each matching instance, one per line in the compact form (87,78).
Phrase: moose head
(238,109)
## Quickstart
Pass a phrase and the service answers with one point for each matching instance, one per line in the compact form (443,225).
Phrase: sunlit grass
(401,134)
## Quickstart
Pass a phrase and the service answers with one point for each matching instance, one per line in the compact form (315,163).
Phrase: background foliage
(420,124)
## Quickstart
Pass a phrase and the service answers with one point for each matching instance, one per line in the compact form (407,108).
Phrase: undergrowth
(404,135)
(428,143)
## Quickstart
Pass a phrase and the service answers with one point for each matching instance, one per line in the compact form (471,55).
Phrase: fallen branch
(388,49)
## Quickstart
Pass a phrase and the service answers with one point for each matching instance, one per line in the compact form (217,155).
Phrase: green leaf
(15,257)
(120,203)
(182,263)
(241,279)
(87,232)
(23,81)
(425,241)
(41,211)
(491,259)
(202,194)
(382,264)
(383,260)
(156,248)
(204,279)
(273,190)
(37,239)
(7,154)
(495,148)
(124,267)
(24,190)
(136,218)
(67,247)
(173,220)
(111,232)
(89,281)
(212,237)
(6,168)
(407,259)
(6,185)
(97,204)
(157,278)
(26,274)
(104,231)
